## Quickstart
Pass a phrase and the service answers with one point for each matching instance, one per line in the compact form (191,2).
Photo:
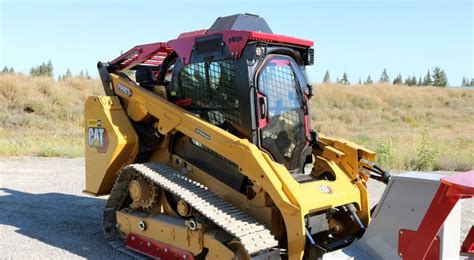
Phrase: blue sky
(357,37)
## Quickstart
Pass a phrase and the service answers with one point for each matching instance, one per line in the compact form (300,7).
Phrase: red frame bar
(417,244)
(468,244)
(148,54)
(277,38)
(155,249)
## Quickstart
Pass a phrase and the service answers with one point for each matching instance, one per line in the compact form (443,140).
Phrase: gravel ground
(44,213)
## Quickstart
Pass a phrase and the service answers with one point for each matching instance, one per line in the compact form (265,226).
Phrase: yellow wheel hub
(184,210)
(143,193)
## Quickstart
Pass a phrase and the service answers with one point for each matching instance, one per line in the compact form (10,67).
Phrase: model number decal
(201,133)
(124,90)
(325,189)
(235,39)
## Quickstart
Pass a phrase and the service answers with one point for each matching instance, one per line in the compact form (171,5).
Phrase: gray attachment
(403,206)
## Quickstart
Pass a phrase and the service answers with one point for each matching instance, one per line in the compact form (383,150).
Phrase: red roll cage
(154,54)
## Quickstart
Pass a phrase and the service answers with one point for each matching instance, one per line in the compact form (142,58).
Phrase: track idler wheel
(143,193)
(239,250)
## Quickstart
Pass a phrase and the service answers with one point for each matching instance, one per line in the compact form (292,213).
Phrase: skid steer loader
(204,146)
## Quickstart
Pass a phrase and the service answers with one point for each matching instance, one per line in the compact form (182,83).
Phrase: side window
(212,87)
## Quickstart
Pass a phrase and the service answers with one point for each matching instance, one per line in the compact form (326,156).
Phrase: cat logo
(97,136)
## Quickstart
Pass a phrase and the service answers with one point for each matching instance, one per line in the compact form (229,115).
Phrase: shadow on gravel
(69,222)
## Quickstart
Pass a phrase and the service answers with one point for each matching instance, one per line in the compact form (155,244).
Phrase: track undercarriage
(154,200)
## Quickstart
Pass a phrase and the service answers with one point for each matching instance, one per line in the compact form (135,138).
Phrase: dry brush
(411,128)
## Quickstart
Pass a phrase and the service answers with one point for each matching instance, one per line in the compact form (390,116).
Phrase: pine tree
(398,80)
(368,81)
(413,81)
(427,80)
(464,81)
(338,81)
(384,78)
(5,70)
(345,79)
(439,77)
(420,82)
(11,70)
(87,75)
(360,81)
(410,81)
(81,74)
(68,74)
(327,78)
(471,84)
(42,70)
(49,68)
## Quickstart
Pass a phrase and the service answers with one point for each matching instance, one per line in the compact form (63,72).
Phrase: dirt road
(44,214)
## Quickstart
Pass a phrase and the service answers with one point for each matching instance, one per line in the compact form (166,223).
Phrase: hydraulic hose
(383,175)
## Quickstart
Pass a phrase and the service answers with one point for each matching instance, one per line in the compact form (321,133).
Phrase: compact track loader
(204,146)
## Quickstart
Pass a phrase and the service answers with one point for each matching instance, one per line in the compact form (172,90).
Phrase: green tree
(465,82)
(35,71)
(81,74)
(360,81)
(11,70)
(384,78)
(49,68)
(410,81)
(439,77)
(87,75)
(327,77)
(345,79)
(45,69)
(5,70)
(420,82)
(427,80)
(471,84)
(398,80)
(68,74)
(368,81)
(413,81)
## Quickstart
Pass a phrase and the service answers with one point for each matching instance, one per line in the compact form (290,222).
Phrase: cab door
(281,110)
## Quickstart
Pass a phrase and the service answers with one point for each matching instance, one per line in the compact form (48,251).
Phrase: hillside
(411,128)
(423,128)
(43,117)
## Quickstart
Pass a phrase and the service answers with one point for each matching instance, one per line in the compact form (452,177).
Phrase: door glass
(284,135)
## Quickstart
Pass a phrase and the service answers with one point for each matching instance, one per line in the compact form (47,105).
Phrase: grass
(410,128)
(43,117)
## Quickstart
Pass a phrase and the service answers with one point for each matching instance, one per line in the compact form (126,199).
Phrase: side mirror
(313,137)
(309,90)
